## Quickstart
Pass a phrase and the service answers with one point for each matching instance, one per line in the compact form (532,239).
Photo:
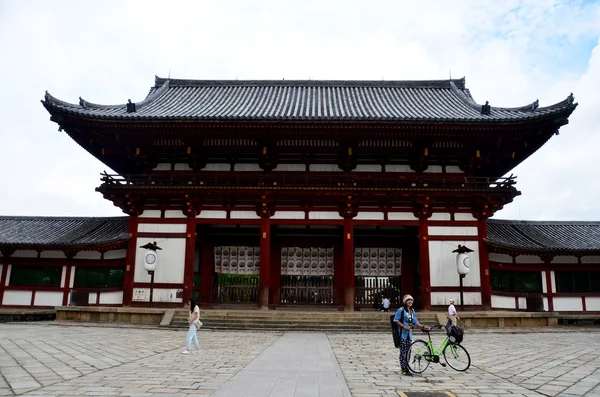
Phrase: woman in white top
(193,318)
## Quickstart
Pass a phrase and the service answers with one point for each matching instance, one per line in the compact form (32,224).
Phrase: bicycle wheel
(457,357)
(417,355)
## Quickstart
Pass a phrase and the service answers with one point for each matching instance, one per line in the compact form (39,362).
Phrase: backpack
(395,333)
(455,334)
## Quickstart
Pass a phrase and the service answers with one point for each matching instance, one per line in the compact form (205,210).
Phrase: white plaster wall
(553,281)
(503,302)
(544,287)
(182,167)
(452,231)
(217,167)
(8,270)
(528,259)
(324,215)
(160,295)
(63,275)
(442,264)
(367,168)
(522,302)
(174,214)
(290,167)
(288,215)
(564,259)
(92,298)
(111,298)
(592,304)
(162,167)
(162,228)
(324,167)
(463,216)
(546,306)
(243,215)
(440,216)
(25,254)
(247,167)
(72,280)
(371,216)
(434,169)
(170,265)
(590,259)
(150,214)
(453,169)
(88,255)
(208,214)
(21,298)
(115,254)
(568,304)
(398,168)
(48,298)
(53,255)
(402,216)
(502,258)
(443,298)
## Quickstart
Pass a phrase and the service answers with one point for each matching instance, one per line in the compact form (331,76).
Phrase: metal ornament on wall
(297,261)
(237,260)
(377,262)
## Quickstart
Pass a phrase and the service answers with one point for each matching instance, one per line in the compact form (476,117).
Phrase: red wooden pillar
(190,249)
(265,263)
(484,264)
(424,264)
(349,264)
(130,261)
(206,272)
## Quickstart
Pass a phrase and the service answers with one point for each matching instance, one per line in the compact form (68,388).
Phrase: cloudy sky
(511,53)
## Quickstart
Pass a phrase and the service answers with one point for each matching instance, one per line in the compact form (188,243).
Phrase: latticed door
(377,275)
(315,290)
(306,275)
(236,271)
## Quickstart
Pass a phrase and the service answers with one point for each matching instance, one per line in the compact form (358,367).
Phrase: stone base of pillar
(263,299)
(349,299)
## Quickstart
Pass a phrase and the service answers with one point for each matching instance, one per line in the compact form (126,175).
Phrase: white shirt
(191,316)
(451,310)
(386,303)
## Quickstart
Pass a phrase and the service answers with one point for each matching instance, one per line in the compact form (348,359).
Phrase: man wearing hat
(452,314)
(406,319)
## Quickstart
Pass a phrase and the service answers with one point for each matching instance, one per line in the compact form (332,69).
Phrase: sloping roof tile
(431,100)
(62,231)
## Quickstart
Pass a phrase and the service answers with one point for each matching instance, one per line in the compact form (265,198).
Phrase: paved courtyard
(46,359)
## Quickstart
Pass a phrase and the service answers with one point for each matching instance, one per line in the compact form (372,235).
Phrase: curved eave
(512,250)
(59,246)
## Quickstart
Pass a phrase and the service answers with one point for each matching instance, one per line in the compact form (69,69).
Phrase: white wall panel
(590,259)
(290,167)
(528,259)
(92,298)
(503,302)
(324,215)
(545,304)
(463,216)
(440,216)
(8,270)
(452,231)
(88,255)
(567,304)
(443,264)
(398,168)
(434,169)
(162,167)
(544,286)
(501,258)
(111,298)
(25,254)
(367,168)
(159,295)
(170,265)
(324,167)
(53,255)
(150,214)
(288,215)
(553,281)
(162,228)
(592,304)
(247,167)
(115,254)
(72,280)
(21,298)
(63,275)
(217,167)
(443,298)
(522,302)
(182,167)
(402,216)
(454,169)
(370,216)
(208,214)
(48,298)
(564,259)
(174,214)
(243,215)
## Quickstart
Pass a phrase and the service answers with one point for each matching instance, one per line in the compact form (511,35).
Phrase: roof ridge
(533,222)
(62,218)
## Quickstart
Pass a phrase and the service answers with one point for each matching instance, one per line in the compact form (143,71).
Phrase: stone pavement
(48,359)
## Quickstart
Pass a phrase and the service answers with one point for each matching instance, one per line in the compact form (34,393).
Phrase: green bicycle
(421,353)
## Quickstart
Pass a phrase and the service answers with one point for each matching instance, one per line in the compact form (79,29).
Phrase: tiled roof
(536,236)
(58,231)
(431,100)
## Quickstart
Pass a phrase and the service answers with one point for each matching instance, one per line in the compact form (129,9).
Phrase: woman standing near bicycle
(406,319)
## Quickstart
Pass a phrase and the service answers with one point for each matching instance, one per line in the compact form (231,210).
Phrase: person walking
(193,319)
(452,315)
(406,319)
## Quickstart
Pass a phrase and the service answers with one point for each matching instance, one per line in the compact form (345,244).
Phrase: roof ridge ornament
(570,99)
(130,106)
(485,109)
(82,102)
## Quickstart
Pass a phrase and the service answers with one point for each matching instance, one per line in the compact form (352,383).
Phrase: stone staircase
(294,320)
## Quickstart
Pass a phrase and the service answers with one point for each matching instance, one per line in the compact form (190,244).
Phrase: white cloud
(511,52)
